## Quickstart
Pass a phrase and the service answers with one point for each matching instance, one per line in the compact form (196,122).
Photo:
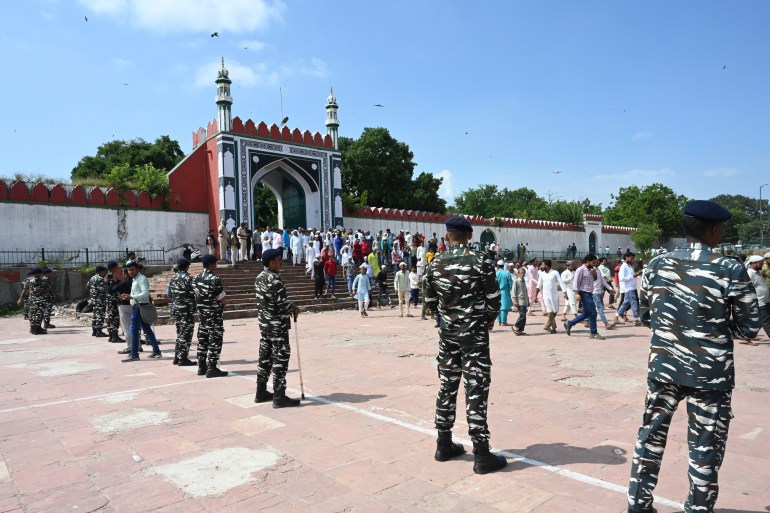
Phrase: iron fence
(71,258)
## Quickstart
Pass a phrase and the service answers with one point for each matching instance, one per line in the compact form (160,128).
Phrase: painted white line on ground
(571,474)
(100,396)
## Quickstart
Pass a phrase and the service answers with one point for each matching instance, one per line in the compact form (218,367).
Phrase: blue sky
(607,93)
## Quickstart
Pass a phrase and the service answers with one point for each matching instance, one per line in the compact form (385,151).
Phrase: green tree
(645,237)
(590,208)
(745,211)
(655,203)
(120,178)
(378,171)
(163,154)
(266,207)
(490,201)
(152,180)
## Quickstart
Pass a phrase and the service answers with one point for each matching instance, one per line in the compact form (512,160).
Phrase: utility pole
(761,226)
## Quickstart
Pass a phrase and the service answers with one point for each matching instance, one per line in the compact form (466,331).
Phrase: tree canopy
(378,171)
(163,154)
(744,224)
(523,203)
(652,204)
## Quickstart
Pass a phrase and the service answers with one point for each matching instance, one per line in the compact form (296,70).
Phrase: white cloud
(260,73)
(447,189)
(721,171)
(235,16)
(638,136)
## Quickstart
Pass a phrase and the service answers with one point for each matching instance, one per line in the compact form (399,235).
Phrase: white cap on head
(754,258)
(500,263)
(767,255)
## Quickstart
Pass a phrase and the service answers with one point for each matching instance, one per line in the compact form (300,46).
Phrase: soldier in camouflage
(275,311)
(210,298)
(35,295)
(97,293)
(24,297)
(462,288)
(111,302)
(696,302)
(49,298)
(184,312)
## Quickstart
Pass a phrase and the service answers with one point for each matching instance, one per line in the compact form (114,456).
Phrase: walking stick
(299,360)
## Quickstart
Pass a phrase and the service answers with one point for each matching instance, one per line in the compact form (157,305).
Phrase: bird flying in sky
(284,120)
(86,17)
(378,105)
(215,34)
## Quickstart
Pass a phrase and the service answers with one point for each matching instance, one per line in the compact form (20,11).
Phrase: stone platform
(81,431)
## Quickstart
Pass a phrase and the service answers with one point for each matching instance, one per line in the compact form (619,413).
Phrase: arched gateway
(230,157)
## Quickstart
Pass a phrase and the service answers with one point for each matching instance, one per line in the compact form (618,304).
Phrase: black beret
(47,270)
(30,272)
(270,254)
(707,210)
(209,259)
(183,262)
(100,268)
(111,264)
(459,224)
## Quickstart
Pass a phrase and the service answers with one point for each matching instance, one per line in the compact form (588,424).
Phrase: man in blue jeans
(583,284)
(139,296)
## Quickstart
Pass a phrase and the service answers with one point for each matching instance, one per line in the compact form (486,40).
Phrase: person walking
(330,270)
(49,300)
(600,285)
(520,301)
(627,277)
(224,239)
(275,312)
(566,277)
(383,289)
(111,302)
(696,302)
(35,296)
(505,284)
(548,285)
(122,290)
(532,276)
(462,289)
(401,286)
(414,289)
(583,284)
(139,297)
(211,302)
(754,267)
(361,288)
(184,312)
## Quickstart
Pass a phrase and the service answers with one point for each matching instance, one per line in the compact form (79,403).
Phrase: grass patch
(11,310)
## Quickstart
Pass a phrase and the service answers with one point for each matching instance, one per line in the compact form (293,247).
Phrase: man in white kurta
(548,283)
(566,277)
(296,248)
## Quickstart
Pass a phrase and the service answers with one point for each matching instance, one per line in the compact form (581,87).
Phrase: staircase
(238,282)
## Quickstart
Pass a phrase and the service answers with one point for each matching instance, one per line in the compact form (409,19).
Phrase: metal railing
(71,258)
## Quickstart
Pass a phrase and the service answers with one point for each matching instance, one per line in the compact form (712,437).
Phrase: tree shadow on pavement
(564,454)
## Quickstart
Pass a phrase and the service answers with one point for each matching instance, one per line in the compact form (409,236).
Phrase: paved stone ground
(81,431)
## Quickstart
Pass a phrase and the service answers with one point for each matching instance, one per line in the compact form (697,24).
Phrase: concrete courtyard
(80,431)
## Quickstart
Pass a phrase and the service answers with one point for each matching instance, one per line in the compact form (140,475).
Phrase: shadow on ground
(564,454)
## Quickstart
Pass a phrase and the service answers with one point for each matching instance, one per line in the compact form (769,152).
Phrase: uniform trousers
(468,359)
(244,250)
(274,352)
(211,331)
(223,245)
(709,413)
(184,320)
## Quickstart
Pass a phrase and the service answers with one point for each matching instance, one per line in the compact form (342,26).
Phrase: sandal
(747,343)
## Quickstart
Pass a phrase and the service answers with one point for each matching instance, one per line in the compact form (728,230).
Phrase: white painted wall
(34,226)
(538,239)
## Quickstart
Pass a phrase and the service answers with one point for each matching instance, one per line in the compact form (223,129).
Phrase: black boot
(202,367)
(263,395)
(215,372)
(115,338)
(484,461)
(445,448)
(93,332)
(184,361)
(99,333)
(37,330)
(49,325)
(281,401)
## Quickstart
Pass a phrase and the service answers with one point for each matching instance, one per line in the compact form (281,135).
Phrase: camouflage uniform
(97,292)
(696,302)
(25,295)
(184,311)
(111,306)
(461,286)
(49,298)
(275,311)
(37,299)
(208,291)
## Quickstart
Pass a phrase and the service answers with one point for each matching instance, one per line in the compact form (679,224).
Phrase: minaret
(332,123)
(224,100)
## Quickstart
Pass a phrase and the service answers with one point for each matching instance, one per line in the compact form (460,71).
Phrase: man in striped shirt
(583,284)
